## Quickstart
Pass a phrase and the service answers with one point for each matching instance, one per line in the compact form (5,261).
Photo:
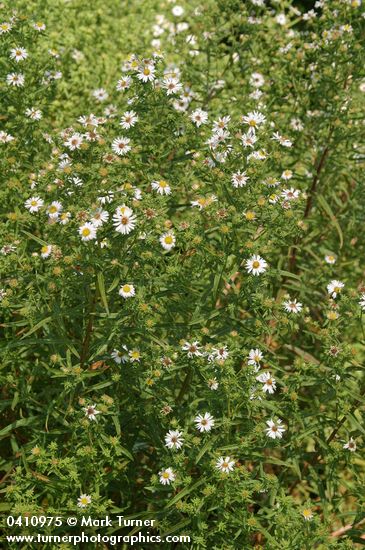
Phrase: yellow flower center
(250,216)
(126,288)
(255,264)
(169,239)
(86,232)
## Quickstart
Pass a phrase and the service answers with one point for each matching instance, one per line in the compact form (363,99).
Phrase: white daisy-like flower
(91,412)
(106,199)
(54,209)
(273,199)
(181,104)
(123,83)
(99,217)
(39,26)
(219,354)
(134,355)
(46,251)
(254,119)
(248,140)
(256,265)
(177,11)
(120,356)
(100,94)
(204,423)
(128,120)
(172,85)
(174,439)
(127,290)
(5,137)
(254,395)
(121,146)
(275,430)
(15,79)
(199,117)
(193,349)
(162,187)
(213,384)
(287,175)
(254,357)
(221,123)
(257,155)
(350,445)
(34,204)
(296,124)
(257,80)
(269,383)
(362,301)
(64,218)
(334,288)
(204,202)
(167,476)
(124,220)
(225,465)
(290,194)
(284,141)
(292,306)
(87,231)
(168,240)
(281,18)
(74,142)
(307,514)
(5,27)
(83,501)
(146,73)
(89,120)
(8,249)
(33,113)
(330,259)
(239,179)
(18,54)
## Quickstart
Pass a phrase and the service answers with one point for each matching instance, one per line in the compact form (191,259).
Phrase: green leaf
(205,448)
(39,325)
(326,207)
(184,492)
(34,238)
(101,288)
(288,274)
(17,424)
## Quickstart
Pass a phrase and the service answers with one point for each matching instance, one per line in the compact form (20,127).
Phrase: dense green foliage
(182,234)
